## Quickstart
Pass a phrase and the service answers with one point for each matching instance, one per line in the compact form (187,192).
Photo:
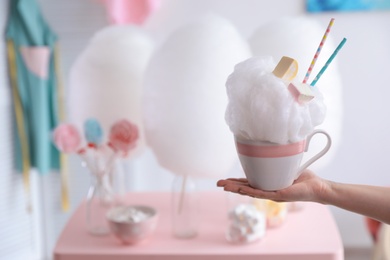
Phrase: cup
(270,166)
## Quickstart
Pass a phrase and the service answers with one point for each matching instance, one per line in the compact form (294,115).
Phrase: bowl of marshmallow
(132,224)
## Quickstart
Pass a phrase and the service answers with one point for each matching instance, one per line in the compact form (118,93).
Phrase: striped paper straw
(328,62)
(318,51)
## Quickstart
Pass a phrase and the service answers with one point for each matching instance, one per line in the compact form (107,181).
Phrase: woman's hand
(368,200)
(308,187)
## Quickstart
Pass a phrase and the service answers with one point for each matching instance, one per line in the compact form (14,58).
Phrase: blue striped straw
(328,62)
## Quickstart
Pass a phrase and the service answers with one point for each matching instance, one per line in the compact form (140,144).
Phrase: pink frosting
(123,136)
(66,138)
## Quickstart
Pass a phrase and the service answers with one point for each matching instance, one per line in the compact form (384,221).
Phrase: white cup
(270,166)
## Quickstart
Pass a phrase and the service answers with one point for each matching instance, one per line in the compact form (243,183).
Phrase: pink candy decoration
(66,138)
(130,11)
(123,136)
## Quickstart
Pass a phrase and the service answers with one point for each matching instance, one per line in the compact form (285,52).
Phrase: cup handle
(319,154)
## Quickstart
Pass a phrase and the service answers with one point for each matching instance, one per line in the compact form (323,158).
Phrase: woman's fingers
(248,190)
(241,186)
(231,181)
(303,189)
(245,189)
(234,186)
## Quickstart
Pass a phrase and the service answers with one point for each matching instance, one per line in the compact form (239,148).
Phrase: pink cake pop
(66,138)
(123,136)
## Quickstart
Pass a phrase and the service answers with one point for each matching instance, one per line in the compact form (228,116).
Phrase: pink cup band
(271,151)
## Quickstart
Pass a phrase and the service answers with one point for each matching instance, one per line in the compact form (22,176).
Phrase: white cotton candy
(262,108)
(298,38)
(106,79)
(185,98)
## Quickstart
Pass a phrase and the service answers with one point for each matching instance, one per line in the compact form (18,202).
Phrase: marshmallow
(301,92)
(247,224)
(129,215)
(286,69)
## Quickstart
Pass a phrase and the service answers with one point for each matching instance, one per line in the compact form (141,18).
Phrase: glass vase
(100,199)
(185,207)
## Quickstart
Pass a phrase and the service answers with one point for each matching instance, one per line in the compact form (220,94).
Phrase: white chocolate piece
(301,92)
(286,69)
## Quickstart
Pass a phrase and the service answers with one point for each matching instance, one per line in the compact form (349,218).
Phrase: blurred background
(360,156)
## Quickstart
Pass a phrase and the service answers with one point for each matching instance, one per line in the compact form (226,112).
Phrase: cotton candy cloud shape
(106,79)
(185,98)
(299,38)
(262,108)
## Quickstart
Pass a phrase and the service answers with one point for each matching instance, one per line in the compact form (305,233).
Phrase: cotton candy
(261,108)
(106,79)
(66,137)
(93,132)
(185,98)
(123,136)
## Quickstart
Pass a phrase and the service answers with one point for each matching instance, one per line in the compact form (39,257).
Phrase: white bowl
(132,224)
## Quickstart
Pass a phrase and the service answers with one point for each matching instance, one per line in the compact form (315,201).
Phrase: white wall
(362,156)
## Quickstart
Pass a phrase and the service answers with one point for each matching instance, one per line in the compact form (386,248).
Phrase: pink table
(307,234)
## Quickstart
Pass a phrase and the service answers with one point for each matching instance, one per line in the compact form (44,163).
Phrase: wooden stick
(182,194)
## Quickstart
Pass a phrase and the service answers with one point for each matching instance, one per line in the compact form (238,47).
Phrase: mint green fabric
(27,28)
